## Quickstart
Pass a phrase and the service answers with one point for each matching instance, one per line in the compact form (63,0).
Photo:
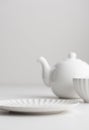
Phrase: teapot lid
(77,66)
(72,58)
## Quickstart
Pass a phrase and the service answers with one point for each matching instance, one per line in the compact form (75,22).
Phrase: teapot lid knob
(72,55)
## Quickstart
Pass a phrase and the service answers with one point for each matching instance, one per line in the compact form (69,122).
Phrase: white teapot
(60,77)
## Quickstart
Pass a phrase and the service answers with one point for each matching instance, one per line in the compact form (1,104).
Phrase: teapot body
(62,78)
(62,85)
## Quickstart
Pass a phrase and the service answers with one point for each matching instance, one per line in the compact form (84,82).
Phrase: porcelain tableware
(37,105)
(82,88)
(60,76)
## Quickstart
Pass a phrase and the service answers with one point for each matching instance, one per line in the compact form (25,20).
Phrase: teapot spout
(46,70)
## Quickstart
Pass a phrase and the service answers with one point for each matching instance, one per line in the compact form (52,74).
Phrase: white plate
(37,105)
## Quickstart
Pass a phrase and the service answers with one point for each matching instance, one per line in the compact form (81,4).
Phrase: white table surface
(77,119)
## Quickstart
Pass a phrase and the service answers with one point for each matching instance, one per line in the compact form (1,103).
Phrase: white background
(31,28)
